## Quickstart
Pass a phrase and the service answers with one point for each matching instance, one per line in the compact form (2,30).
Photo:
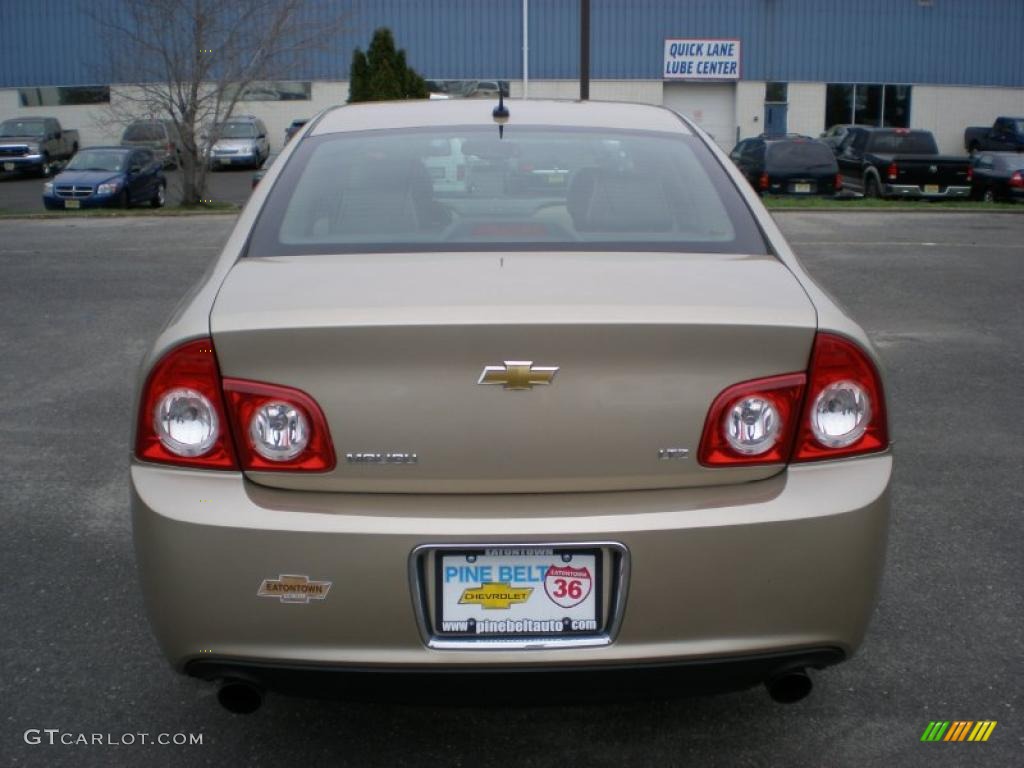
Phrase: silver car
(603,422)
(242,141)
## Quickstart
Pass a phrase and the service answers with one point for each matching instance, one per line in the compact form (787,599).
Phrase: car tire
(989,195)
(871,188)
(122,199)
(160,197)
(46,169)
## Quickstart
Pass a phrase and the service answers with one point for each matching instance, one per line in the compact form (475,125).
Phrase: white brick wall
(947,110)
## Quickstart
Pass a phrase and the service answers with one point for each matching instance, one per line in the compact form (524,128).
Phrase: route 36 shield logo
(567,586)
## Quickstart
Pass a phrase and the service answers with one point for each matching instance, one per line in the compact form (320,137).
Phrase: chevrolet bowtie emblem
(518,374)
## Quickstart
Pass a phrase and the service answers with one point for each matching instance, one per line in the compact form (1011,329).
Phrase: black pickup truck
(899,162)
(1006,134)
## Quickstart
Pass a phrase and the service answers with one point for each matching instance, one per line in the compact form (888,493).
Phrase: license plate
(515,592)
(225,161)
(556,178)
(931,189)
(802,188)
(8,166)
(72,203)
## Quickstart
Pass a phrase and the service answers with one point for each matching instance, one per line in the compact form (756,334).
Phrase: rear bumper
(913,190)
(783,565)
(455,686)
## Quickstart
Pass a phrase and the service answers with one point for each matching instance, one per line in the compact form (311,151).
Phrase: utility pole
(584,50)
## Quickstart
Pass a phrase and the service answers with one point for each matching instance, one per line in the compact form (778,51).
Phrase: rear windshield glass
(463,188)
(1012,162)
(903,143)
(144,132)
(804,155)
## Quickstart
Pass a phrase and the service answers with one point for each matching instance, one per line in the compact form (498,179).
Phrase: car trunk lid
(392,347)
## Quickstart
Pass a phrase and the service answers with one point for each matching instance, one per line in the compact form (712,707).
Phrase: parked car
(257,177)
(618,427)
(35,144)
(998,176)
(1005,134)
(292,129)
(834,136)
(100,177)
(158,136)
(240,141)
(788,165)
(900,162)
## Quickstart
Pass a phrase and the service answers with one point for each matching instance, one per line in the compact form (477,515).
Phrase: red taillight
(189,417)
(840,374)
(970,173)
(302,442)
(764,182)
(837,409)
(892,172)
(839,181)
(719,446)
(1016,180)
(182,418)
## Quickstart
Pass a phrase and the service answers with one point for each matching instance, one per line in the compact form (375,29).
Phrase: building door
(712,106)
(775,119)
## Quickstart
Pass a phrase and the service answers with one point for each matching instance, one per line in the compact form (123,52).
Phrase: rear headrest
(601,200)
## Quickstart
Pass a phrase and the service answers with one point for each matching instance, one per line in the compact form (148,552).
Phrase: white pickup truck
(35,144)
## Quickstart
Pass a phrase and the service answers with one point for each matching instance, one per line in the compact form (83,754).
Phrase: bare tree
(191,61)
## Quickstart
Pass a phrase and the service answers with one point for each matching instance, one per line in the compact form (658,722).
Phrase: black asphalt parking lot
(942,295)
(22,193)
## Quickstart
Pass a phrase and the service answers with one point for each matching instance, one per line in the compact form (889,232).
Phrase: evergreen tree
(382,74)
(359,76)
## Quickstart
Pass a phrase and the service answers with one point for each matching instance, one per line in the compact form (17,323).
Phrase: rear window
(144,132)
(799,155)
(898,143)
(463,188)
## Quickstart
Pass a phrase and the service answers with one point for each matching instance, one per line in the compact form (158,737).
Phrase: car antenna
(500,113)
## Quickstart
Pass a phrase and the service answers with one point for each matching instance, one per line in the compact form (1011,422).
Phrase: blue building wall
(957,42)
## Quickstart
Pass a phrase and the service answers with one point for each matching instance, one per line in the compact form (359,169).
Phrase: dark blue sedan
(108,177)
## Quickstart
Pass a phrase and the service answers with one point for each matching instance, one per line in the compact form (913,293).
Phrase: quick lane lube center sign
(702,59)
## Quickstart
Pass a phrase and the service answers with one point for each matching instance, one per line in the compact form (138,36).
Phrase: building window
(467,89)
(776,92)
(64,95)
(275,90)
(867,104)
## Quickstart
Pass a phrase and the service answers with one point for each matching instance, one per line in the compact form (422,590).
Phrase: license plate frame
(73,204)
(931,189)
(802,188)
(609,587)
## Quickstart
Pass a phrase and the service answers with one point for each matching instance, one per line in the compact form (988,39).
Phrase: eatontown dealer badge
(567,586)
(294,589)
